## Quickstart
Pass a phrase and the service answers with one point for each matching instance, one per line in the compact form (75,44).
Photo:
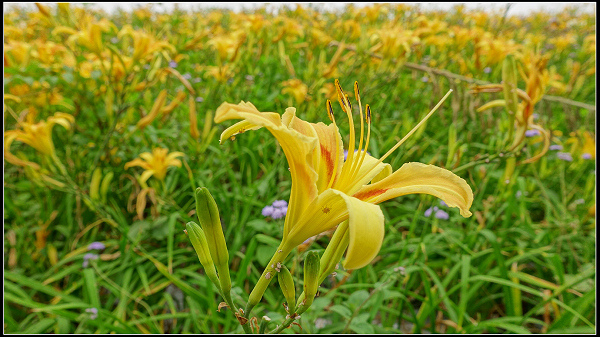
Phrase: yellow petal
(331,208)
(146,175)
(325,156)
(237,128)
(298,149)
(376,174)
(137,162)
(420,178)
(9,137)
(171,158)
(365,233)
(174,162)
(147,156)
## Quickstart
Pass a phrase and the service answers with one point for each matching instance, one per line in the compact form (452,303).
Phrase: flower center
(350,171)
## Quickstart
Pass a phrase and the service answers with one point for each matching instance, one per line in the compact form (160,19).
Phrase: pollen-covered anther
(348,102)
(330,111)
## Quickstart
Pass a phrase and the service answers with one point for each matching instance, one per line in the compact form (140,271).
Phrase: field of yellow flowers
(112,122)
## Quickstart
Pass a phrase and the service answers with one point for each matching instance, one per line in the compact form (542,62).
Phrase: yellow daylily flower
(296,88)
(156,163)
(326,189)
(37,135)
(144,44)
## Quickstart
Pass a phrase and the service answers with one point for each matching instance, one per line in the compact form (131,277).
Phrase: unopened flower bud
(286,283)
(208,216)
(198,239)
(311,279)
(95,184)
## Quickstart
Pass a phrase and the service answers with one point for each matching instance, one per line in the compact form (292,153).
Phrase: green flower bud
(208,216)
(198,239)
(334,251)
(95,184)
(286,283)
(311,280)
(332,255)
(105,185)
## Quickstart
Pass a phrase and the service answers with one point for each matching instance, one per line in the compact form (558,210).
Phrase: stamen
(337,145)
(351,145)
(355,164)
(407,135)
(341,95)
(330,111)
(363,154)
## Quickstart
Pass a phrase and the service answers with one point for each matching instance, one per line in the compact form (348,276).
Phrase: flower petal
(137,162)
(237,128)
(298,149)
(9,137)
(331,208)
(375,174)
(420,178)
(326,157)
(146,175)
(170,160)
(147,156)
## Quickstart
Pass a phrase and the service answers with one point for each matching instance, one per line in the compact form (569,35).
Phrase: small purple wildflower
(535,116)
(425,79)
(579,201)
(555,147)
(442,203)
(268,210)
(441,214)
(249,77)
(586,156)
(566,156)
(197,80)
(532,133)
(93,312)
(87,257)
(278,213)
(172,64)
(114,40)
(280,203)
(96,245)
(146,66)
(487,70)
(199,99)
(518,194)
(430,210)
(187,76)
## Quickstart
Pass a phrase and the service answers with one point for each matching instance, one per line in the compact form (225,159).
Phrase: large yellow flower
(156,163)
(326,189)
(37,135)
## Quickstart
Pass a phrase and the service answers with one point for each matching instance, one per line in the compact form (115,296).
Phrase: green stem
(268,274)
(227,297)
(284,325)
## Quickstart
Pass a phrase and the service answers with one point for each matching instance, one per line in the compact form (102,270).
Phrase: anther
(329,110)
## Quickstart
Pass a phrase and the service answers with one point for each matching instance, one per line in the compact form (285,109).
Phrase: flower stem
(284,325)
(268,274)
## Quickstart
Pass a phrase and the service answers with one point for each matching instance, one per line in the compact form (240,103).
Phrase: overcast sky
(516,8)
